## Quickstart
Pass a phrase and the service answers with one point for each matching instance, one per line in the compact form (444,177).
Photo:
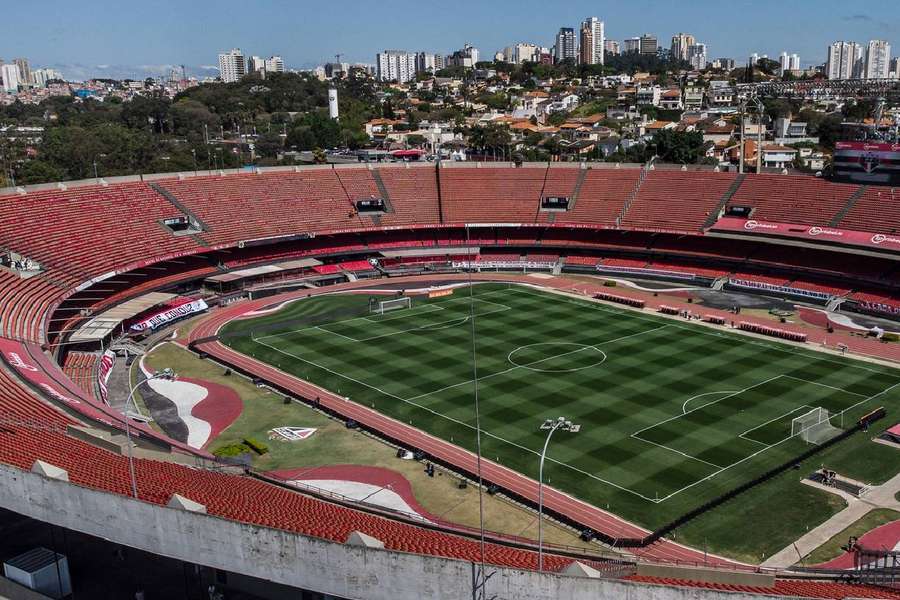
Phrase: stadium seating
(792,198)
(876,210)
(81,369)
(492,195)
(782,587)
(239,498)
(676,200)
(602,197)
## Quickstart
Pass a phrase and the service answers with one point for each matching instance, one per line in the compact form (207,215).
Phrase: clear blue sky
(93,37)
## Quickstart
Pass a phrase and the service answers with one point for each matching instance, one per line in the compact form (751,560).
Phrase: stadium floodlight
(165,374)
(550,426)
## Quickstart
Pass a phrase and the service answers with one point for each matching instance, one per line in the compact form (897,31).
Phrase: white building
(844,61)
(565,47)
(427,62)
(895,68)
(592,41)
(232,65)
(255,64)
(680,44)
(522,53)
(274,64)
(10,74)
(878,60)
(697,55)
(395,65)
(466,57)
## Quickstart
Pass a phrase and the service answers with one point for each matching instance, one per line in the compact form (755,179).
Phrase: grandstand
(99,246)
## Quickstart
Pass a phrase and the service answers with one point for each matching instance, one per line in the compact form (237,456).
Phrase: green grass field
(671,414)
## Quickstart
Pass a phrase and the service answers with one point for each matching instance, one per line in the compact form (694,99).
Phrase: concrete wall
(13,591)
(294,560)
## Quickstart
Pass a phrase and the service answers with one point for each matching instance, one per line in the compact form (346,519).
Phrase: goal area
(384,306)
(814,427)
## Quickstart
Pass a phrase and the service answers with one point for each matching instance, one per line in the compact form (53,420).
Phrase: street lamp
(167,374)
(550,426)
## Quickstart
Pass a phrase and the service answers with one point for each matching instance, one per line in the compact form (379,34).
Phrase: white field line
(684,454)
(351,319)
(612,311)
(464,424)
(809,354)
(831,387)
(790,412)
(755,454)
(746,389)
(684,406)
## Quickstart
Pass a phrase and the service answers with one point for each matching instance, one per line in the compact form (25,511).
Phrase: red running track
(582,512)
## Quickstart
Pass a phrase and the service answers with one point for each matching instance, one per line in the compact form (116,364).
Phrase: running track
(586,514)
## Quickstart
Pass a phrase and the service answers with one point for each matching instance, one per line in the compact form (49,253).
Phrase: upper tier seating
(91,230)
(793,198)
(878,210)
(413,195)
(602,196)
(680,200)
(246,207)
(492,195)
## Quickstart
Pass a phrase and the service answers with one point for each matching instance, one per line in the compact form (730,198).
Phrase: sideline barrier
(619,299)
(772,331)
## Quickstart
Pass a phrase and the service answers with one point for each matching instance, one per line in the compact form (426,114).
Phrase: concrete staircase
(557,268)
(581,177)
(159,189)
(630,199)
(382,190)
(851,202)
(726,197)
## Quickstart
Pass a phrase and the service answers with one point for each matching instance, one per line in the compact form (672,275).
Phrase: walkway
(882,496)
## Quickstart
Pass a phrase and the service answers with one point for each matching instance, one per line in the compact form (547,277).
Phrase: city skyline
(99,38)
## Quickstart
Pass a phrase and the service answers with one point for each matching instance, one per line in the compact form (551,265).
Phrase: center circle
(556,357)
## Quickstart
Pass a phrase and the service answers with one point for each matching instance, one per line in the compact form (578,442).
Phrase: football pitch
(671,413)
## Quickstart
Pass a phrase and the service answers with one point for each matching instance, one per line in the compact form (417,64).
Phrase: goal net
(814,427)
(394,304)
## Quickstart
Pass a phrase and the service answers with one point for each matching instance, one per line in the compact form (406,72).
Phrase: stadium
(515,381)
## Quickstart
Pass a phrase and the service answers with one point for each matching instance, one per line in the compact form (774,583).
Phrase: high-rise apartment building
(592,40)
(10,75)
(565,47)
(232,65)
(631,45)
(794,63)
(878,60)
(395,65)
(466,57)
(895,69)
(24,71)
(274,64)
(680,44)
(611,48)
(844,61)
(697,55)
(648,44)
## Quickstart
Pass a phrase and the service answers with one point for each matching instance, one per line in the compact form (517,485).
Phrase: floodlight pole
(551,426)
(164,374)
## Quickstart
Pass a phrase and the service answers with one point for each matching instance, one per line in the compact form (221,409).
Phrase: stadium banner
(36,368)
(867,162)
(170,313)
(103,373)
(440,293)
(848,237)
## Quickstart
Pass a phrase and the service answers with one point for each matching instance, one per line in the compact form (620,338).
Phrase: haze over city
(100,38)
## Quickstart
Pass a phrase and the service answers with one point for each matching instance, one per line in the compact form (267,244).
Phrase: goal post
(384,306)
(814,427)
